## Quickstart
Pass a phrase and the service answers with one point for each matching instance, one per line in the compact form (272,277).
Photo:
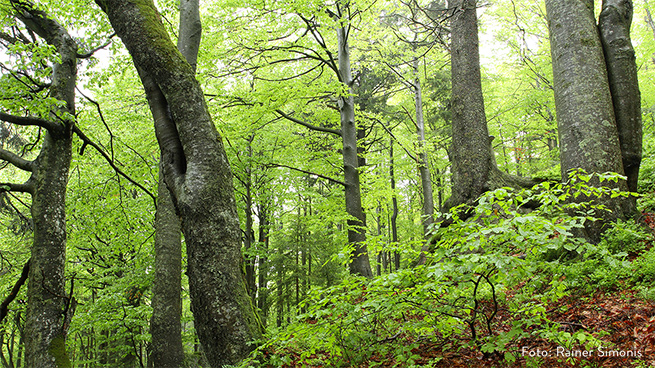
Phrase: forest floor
(621,321)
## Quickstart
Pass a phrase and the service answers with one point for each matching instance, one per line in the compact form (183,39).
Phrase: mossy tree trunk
(474,169)
(165,324)
(45,330)
(585,115)
(198,176)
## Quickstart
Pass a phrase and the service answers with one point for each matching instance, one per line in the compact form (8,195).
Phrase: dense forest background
(374,229)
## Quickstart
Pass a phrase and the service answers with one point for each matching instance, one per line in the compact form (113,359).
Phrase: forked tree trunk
(585,115)
(198,176)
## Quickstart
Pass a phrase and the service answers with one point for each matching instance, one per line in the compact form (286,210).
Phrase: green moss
(57,349)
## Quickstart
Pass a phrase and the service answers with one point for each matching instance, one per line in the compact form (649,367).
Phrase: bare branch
(27,187)
(88,141)
(29,121)
(307,125)
(93,51)
(16,160)
(4,307)
(308,173)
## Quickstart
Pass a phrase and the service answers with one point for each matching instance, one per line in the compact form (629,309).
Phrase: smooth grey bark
(198,176)
(165,323)
(190,31)
(45,331)
(423,164)
(359,263)
(585,115)
(614,25)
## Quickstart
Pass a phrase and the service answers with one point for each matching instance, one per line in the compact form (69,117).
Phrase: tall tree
(45,327)
(588,133)
(473,162)
(198,176)
(470,153)
(359,263)
(165,325)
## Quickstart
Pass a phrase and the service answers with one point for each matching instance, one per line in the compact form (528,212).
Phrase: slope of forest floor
(618,325)
(622,320)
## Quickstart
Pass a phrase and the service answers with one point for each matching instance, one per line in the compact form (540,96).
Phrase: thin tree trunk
(262,290)
(423,164)
(394,204)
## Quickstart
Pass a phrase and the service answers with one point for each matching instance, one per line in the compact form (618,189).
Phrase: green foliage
(491,277)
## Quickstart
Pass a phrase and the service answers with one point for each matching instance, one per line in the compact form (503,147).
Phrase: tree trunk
(359,263)
(198,176)
(587,128)
(262,290)
(394,204)
(614,25)
(471,160)
(165,324)
(423,164)
(45,335)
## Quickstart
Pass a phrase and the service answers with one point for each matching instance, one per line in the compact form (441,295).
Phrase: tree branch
(16,160)
(88,141)
(4,307)
(27,187)
(28,121)
(308,173)
(307,125)
(94,50)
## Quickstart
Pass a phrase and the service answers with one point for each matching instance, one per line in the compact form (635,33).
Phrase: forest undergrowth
(506,286)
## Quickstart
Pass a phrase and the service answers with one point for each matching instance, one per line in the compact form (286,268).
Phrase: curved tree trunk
(198,176)
(614,25)
(165,324)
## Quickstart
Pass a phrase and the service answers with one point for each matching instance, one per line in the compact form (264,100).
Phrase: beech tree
(197,174)
(165,325)
(473,161)
(614,25)
(587,124)
(49,307)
